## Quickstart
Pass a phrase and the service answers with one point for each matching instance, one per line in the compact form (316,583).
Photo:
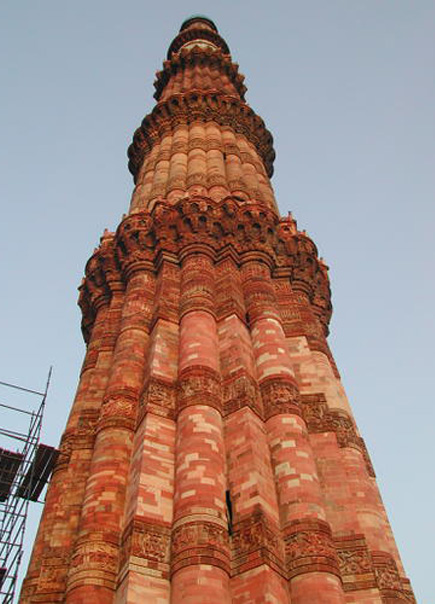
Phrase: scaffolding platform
(25,468)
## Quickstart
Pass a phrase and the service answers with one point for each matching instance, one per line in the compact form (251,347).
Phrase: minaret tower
(210,456)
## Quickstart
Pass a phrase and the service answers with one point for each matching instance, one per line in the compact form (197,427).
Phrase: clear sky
(347,89)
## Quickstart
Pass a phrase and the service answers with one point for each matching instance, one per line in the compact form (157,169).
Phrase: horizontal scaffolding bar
(22,389)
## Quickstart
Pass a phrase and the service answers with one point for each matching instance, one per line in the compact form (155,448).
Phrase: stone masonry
(210,456)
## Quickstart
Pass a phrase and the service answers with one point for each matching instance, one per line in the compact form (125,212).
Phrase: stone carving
(159,397)
(309,547)
(142,237)
(387,574)
(355,563)
(392,587)
(194,534)
(144,540)
(118,410)
(86,423)
(254,534)
(319,418)
(199,385)
(135,242)
(200,542)
(241,391)
(95,555)
(280,395)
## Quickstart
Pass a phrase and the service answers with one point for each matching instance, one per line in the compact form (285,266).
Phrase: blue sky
(347,89)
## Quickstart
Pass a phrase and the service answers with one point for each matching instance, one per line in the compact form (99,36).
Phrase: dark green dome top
(194,18)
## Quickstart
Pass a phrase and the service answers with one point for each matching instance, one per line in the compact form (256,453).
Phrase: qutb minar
(210,456)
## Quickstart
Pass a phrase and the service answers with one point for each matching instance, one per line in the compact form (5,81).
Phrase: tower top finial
(198,20)
(198,30)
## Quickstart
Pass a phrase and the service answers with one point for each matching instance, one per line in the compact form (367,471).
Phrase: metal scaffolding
(25,467)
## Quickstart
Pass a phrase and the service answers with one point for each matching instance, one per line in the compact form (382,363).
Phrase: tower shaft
(211,455)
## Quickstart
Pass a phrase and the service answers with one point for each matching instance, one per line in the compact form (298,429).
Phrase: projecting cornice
(171,229)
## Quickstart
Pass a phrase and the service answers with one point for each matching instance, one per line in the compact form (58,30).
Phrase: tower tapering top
(198,30)
(198,21)
(199,84)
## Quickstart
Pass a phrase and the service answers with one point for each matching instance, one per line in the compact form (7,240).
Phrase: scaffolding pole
(25,466)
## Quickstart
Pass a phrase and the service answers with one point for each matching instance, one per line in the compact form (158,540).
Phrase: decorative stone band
(241,390)
(392,587)
(119,410)
(95,561)
(257,541)
(150,543)
(221,228)
(217,61)
(205,107)
(197,33)
(355,562)
(319,418)
(199,385)
(309,548)
(361,570)
(50,585)
(78,438)
(200,542)
(159,397)
(280,395)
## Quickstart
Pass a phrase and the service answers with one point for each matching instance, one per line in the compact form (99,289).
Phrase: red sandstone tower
(210,456)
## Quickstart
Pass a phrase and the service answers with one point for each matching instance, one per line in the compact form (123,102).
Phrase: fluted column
(352,501)
(200,554)
(58,528)
(49,562)
(313,570)
(95,559)
(144,568)
(258,570)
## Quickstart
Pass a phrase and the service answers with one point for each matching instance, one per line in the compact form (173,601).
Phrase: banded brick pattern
(211,455)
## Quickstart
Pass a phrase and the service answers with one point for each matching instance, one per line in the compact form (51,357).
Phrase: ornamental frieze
(392,587)
(200,542)
(196,534)
(355,562)
(86,424)
(151,542)
(309,547)
(135,240)
(257,534)
(280,395)
(244,227)
(118,410)
(159,397)
(94,556)
(53,573)
(387,574)
(241,391)
(319,418)
(199,385)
